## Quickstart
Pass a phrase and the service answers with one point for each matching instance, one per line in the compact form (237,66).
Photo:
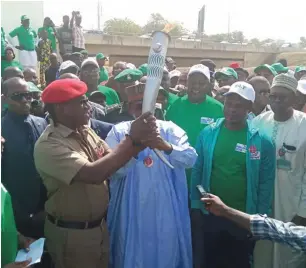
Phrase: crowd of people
(78,165)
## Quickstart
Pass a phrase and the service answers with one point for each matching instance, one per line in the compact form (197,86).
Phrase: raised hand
(142,127)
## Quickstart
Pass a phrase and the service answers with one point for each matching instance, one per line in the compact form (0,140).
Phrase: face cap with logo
(200,68)
(267,67)
(236,66)
(24,17)
(226,72)
(300,69)
(243,89)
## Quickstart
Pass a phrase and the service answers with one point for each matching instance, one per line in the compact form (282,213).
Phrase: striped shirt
(288,233)
(78,37)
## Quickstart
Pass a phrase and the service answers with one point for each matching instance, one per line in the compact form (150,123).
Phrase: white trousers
(28,59)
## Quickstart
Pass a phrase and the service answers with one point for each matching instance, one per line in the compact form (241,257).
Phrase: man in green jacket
(238,164)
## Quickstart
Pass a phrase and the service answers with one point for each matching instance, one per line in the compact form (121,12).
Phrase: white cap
(200,68)
(243,89)
(89,61)
(174,73)
(131,66)
(302,86)
(66,64)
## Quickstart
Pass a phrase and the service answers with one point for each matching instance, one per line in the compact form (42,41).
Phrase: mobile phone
(202,191)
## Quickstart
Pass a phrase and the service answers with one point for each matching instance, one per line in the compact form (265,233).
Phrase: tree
(237,37)
(303,41)
(158,22)
(121,26)
(255,41)
(219,37)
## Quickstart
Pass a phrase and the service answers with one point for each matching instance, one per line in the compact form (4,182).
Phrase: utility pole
(229,26)
(99,14)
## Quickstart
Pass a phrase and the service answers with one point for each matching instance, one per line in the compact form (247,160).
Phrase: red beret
(235,65)
(63,90)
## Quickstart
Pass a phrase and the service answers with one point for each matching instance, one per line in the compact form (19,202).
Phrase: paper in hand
(35,253)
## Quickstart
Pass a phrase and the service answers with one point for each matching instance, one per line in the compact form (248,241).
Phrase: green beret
(129,75)
(143,68)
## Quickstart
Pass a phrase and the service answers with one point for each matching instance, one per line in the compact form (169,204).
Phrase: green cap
(32,87)
(279,68)
(300,69)
(267,67)
(144,68)
(129,75)
(24,17)
(226,71)
(100,56)
(84,51)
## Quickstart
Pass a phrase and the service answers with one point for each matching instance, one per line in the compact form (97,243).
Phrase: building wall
(11,11)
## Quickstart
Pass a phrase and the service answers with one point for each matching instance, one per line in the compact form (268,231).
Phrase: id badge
(283,164)
(207,120)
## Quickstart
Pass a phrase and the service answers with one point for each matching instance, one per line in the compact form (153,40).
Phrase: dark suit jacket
(101,128)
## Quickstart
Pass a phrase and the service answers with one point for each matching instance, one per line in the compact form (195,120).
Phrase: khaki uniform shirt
(59,155)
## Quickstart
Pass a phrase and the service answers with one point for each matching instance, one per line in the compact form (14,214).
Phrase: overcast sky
(260,18)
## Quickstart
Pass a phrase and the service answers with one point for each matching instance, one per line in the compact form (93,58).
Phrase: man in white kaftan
(287,129)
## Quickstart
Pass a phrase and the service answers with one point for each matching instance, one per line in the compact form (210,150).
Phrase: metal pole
(229,26)
(99,23)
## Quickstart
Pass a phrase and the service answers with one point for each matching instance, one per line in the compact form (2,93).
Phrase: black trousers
(219,243)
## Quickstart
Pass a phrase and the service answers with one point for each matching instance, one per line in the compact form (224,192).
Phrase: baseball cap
(236,66)
(169,60)
(66,64)
(302,86)
(200,68)
(265,66)
(278,67)
(24,17)
(89,62)
(208,63)
(286,81)
(226,71)
(300,69)
(174,73)
(100,56)
(243,89)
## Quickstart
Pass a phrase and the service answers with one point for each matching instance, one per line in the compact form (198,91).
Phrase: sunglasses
(20,96)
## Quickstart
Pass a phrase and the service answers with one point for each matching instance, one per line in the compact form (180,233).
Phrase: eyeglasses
(20,96)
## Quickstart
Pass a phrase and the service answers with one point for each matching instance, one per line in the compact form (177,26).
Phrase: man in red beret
(75,165)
